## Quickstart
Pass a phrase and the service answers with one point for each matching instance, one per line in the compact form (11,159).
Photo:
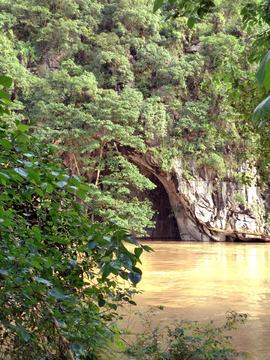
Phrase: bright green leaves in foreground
(57,268)
(5,81)
(263,77)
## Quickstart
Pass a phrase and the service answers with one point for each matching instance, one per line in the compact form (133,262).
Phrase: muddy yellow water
(201,281)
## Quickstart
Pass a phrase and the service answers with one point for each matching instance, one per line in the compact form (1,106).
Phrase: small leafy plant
(240,199)
(187,339)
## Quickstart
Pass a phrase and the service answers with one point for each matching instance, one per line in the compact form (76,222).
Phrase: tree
(59,270)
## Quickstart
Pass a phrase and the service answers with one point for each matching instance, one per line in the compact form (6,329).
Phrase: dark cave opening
(166,225)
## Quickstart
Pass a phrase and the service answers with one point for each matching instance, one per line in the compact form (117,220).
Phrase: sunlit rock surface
(205,208)
(218,210)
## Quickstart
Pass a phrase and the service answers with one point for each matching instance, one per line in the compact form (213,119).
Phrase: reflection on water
(199,281)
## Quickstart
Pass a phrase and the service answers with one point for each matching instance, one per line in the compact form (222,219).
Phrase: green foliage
(108,80)
(263,77)
(197,8)
(187,339)
(240,199)
(4,98)
(59,270)
(255,19)
(102,126)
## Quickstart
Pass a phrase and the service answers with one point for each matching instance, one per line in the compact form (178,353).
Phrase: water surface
(199,281)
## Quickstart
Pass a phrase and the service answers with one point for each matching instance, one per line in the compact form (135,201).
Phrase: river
(201,281)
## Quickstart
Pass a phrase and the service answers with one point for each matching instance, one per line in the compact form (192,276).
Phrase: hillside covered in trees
(122,95)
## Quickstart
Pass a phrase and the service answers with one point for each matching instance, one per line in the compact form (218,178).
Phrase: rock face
(225,209)
(208,209)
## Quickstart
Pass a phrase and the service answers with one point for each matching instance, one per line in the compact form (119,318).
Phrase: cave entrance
(166,224)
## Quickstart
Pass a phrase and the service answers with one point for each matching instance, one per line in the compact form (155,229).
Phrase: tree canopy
(105,79)
(253,14)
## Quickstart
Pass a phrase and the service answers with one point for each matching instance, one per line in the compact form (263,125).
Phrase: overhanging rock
(209,209)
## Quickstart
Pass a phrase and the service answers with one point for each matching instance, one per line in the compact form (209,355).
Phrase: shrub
(58,270)
(187,339)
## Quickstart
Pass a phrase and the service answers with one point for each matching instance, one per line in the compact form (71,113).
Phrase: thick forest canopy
(255,16)
(106,79)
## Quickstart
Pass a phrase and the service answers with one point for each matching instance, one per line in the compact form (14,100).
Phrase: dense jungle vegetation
(103,80)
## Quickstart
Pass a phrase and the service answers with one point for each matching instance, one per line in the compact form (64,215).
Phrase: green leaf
(49,188)
(126,262)
(116,264)
(131,240)
(5,81)
(4,175)
(200,13)
(191,22)
(37,233)
(43,186)
(260,73)
(57,293)
(157,5)
(244,11)
(134,278)
(43,281)
(138,252)
(24,334)
(22,127)
(4,95)
(6,144)
(81,194)
(261,111)
(36,264)
(113,306)
(266,162)
(137,270)
(56,206)
(33,175)
(39,192)
(91,245)
(147,248)
(61,183)
(4,272)
(101,302)
(105,258)
(21,172)
(106,270)
(5,102)
(266,82)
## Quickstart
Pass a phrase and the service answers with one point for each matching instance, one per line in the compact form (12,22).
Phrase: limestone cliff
(206,208)
(225,209)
